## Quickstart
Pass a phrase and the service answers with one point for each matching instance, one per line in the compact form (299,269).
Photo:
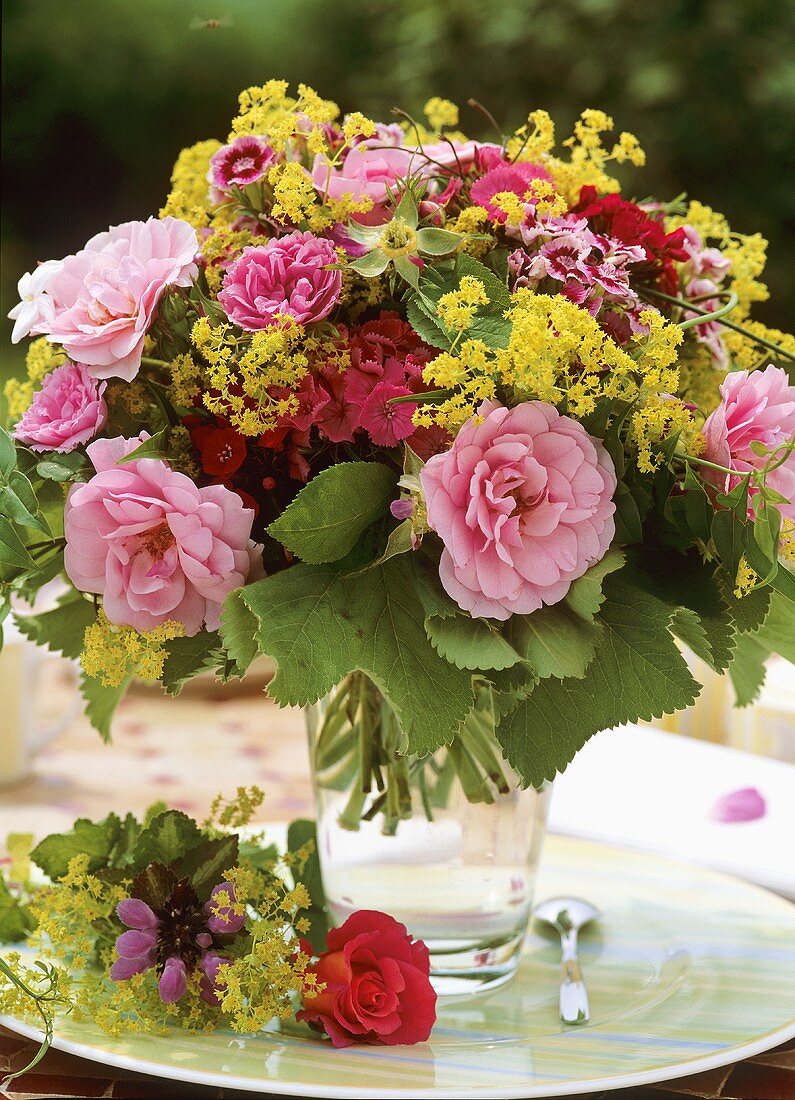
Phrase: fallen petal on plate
(746,804)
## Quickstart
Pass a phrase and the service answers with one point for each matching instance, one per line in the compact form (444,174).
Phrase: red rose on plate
(376,982)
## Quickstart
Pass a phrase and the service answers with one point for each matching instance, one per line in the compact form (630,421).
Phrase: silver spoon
(567,916)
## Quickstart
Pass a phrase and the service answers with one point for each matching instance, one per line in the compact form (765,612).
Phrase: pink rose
(523,504)
(460,156)
(288,275)
(370,170)
(377,988)
(100,303)
(245,160)
(756,407)
(152,544)
(68,410)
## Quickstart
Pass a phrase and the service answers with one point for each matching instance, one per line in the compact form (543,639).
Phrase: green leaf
(438,242)
(189,656)
(370,264)
(470,643)
(554,641)
(239,632)
(65,467)
(777,574)
(328,516)
(778,631)
(95,839)
(18,502)
(426,327)
(748,612)
(489,324)
(319,625)
(12,548)
(585,596)
(629,526)
(206,864)
(728,534)
(636,672)
(169,836)
(697,507)
(15,918)
(407,270)
(299,833)
(154,884)
(689,587)
(156,446)
(8,454)
(63,629)
(747,671)
(101,702)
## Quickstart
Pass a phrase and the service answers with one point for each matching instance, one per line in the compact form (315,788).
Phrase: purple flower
(243,161)
(177,939)
(222,918)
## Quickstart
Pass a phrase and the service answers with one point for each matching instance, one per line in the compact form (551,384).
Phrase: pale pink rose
(756,407)
(289,275)
(370,170)
(100,303)
(68,410)
(33,314)
(460,156)
(523,504)
(154,545)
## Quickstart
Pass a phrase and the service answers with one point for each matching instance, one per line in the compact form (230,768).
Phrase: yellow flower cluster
(113,653)
(251,379)
(747,253)
(746,353)
(535,141)
(746,579)
(261,985)
(42,357)
(556,352)
(440,113)
(471,222)
(270,110)
(222,244)
(293,191)
(189,198)
(356,124)
(457,308)
(187,381)
(234,813)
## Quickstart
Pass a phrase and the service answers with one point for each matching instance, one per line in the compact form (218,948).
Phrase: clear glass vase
(447,844)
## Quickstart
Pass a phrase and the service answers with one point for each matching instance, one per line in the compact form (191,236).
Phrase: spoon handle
(573,996)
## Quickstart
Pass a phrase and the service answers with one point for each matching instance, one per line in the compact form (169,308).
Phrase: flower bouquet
(467,442)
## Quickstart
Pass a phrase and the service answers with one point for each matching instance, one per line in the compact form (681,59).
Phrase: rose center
(157,541)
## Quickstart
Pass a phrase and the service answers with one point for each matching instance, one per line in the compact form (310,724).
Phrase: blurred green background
(100,95)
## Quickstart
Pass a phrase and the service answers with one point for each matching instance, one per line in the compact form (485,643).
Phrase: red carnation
(221,449)
(377,989)
(632,225)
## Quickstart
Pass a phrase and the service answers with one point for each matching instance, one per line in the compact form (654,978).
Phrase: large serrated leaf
(189,656)
(167,838)
(326,519)
(636,672)
(94,839)
(319,625)
(554,641)
(62,630)
(470,643)
(101,702)
(239,632)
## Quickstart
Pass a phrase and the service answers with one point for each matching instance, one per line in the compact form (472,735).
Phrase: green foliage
(489,323)
(15,918)
(636,672)
(554,641)
(747,671)
(328,516)
(470,643)
(167,837)
(101,702)
(97,840)
(300,833)
(319,625)
(238,633)
(62,629)
(189,656)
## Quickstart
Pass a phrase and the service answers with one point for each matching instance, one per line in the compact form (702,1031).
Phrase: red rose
(376,981)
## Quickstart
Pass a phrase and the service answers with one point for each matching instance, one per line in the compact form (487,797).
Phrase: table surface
(214,739)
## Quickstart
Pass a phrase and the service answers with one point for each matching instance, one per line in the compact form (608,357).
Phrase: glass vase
(448,844)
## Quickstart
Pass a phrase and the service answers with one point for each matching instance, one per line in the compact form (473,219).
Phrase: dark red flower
(632,225)
(377,988)
(221,449)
